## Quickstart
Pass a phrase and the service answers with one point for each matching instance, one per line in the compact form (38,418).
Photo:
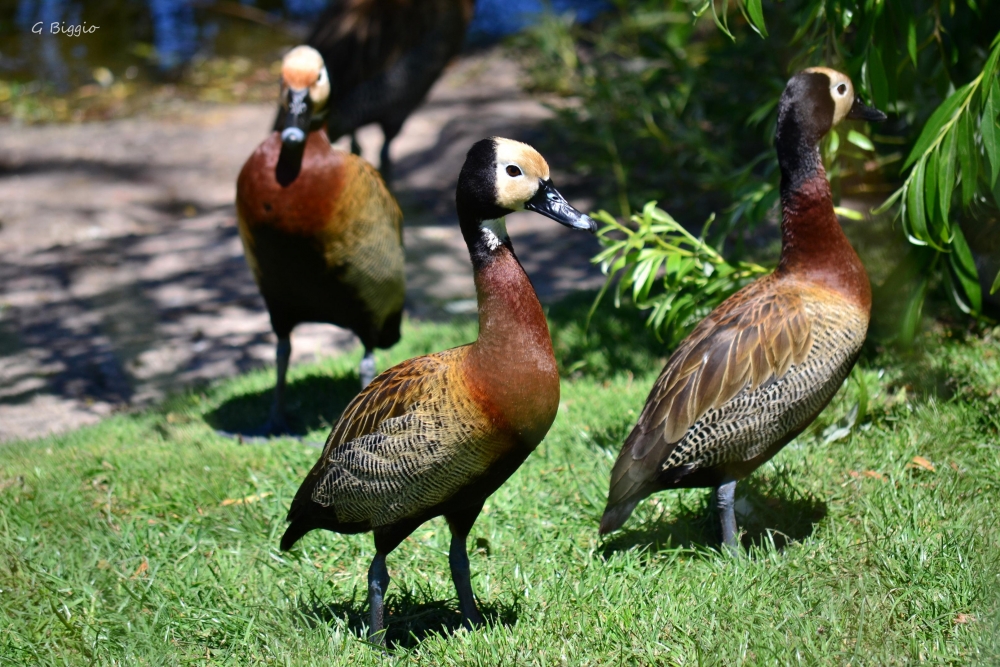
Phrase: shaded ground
(122,275)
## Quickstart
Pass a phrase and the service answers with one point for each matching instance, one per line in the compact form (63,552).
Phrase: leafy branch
(959,142)
(666,269)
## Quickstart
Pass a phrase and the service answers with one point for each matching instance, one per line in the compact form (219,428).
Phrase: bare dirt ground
(122,276)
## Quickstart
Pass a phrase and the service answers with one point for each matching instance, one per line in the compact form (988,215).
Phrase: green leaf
(946,173)
(964,267)
(876,75)
(860,140)
(757,16)
(931,190)
(989,69)
(996,284)
(967,157)
(911,39)
(848,213)
(914,308)
(914,213)
(934,124)
(988,128)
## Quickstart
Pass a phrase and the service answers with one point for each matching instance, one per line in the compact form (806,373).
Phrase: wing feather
(751,339)
(403,445)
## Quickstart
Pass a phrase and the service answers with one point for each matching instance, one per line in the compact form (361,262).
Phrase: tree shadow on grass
(410,618)
(311,403)
(768,509)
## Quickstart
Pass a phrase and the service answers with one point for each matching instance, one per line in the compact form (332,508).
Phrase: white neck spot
(495,232)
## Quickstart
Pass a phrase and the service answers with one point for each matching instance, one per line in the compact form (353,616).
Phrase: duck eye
(513,170)
(842,89)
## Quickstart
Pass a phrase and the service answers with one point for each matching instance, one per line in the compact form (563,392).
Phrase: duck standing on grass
(763,365)
(438,434)
(322,234)
(385,56)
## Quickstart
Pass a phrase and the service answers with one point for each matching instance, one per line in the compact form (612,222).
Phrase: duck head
(501,176)
(305,88)
(814,101)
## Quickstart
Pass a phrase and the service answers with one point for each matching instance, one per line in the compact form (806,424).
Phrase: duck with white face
(437,435)
(321,232)
(761,366)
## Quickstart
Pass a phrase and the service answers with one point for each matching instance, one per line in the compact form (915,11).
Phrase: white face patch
(841,90)
(319,92)
(519,169)
(495,232)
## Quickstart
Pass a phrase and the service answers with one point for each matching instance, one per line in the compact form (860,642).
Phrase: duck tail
(616,515)
(296,529)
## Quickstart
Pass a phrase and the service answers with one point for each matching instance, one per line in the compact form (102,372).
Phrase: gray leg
(458,559)
(378,581)
(385,163)
(276,422)
(725,498)
(355,146)
(367,368)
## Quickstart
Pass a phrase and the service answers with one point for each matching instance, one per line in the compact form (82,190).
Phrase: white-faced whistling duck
(437,435)
(760,368)
(321,232)
(385,55)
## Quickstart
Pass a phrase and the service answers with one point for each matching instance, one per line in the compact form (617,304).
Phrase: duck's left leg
(458,558)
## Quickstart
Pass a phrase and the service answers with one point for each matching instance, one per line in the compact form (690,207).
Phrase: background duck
(385,56)
(321,233)
(438,434)
(760,368)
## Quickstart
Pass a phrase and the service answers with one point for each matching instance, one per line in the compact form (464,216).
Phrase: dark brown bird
(321,233)
(384,56)
(760,368)
(437,435)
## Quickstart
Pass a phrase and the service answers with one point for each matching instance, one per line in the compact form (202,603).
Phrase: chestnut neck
(511,320)
(813,244)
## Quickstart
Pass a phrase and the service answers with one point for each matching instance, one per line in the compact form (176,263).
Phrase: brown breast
(308,204)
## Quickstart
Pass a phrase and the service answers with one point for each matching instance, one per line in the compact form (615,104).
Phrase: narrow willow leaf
(914,308)
(964,267)
(996,284)
(931,192)
(888,203)
(757,16)
(860,140)
(911,39)
(988,128)
(848,213)
(834,143)
(879,82)
(989,69)
(953,290)
(967,157)
(946,173)
(934,124)
(915,204)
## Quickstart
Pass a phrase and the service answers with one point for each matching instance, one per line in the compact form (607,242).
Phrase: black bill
(861,111)
(551,204)
(298,117)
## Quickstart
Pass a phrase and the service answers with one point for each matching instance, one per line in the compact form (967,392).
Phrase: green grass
(117,547)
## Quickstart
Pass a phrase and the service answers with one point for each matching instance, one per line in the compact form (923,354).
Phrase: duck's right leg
(725,502)
(378,581)
(276,423)
(366,369)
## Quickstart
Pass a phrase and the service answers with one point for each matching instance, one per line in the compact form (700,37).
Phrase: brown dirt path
(122,276)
